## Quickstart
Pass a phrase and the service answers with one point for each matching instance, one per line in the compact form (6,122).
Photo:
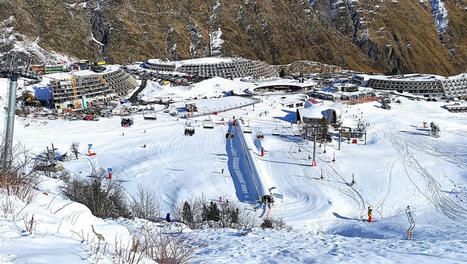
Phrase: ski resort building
(344,92)
(103,86)
(214,67)
(315,114)
(455,86)
(423,84)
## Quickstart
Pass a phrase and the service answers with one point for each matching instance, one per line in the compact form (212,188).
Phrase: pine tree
(214,213)
(205,213)
(187,214)
(234,216)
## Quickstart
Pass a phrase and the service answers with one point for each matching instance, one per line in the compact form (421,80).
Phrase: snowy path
(239,168)
(248,178)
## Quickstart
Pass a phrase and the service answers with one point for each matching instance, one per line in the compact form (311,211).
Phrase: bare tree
(145,205)
(75,149)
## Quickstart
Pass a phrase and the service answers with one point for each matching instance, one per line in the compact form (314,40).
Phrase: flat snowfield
(398,164)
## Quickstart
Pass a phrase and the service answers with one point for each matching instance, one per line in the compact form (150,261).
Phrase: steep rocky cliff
(394,36)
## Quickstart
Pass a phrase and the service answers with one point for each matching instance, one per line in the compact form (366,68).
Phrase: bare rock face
(198,45)
(368,35)
(171,45)
(100,29)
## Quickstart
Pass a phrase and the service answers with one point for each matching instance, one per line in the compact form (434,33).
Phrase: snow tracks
(425,183)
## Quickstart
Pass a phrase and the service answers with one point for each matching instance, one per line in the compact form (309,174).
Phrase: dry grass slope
(278,32)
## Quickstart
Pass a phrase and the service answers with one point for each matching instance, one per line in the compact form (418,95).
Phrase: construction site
(77,89)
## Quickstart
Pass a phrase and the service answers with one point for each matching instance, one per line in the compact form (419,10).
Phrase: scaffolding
(75,90)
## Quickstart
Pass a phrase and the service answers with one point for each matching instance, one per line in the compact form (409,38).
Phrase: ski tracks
(347,190)
(432,189)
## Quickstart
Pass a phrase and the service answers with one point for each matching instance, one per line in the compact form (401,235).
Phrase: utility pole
(339,147)
(10,121)
(314,145)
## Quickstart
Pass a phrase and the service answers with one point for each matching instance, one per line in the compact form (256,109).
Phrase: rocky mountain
(391,36)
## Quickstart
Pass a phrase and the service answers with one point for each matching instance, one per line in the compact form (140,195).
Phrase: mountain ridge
(400,36)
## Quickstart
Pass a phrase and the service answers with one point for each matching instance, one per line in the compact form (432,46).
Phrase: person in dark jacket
(167,218)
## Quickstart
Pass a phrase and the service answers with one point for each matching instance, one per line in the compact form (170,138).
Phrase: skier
(353,181)
(167,218)
(222,171)
(411,222)
(370,213)
(220,199)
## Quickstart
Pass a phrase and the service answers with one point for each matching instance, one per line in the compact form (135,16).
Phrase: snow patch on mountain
(440,16)
(216,42)
(215,33)
(12,41)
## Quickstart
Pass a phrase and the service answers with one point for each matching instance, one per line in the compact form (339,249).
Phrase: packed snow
(401,164)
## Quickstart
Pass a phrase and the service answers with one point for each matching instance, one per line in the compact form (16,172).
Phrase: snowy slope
(400,165)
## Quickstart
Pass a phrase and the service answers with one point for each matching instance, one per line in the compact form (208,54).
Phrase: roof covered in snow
(199,61)
(67,75)
(414,77)
(316,112)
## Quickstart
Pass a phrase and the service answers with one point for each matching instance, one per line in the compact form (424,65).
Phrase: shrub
(17,176)
(198,213)
(104,199)
(271,223)
(267,223)
(162,247)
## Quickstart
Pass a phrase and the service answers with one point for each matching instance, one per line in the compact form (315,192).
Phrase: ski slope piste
(252,184)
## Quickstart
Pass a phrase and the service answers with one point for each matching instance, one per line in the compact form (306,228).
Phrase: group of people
(225,200)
